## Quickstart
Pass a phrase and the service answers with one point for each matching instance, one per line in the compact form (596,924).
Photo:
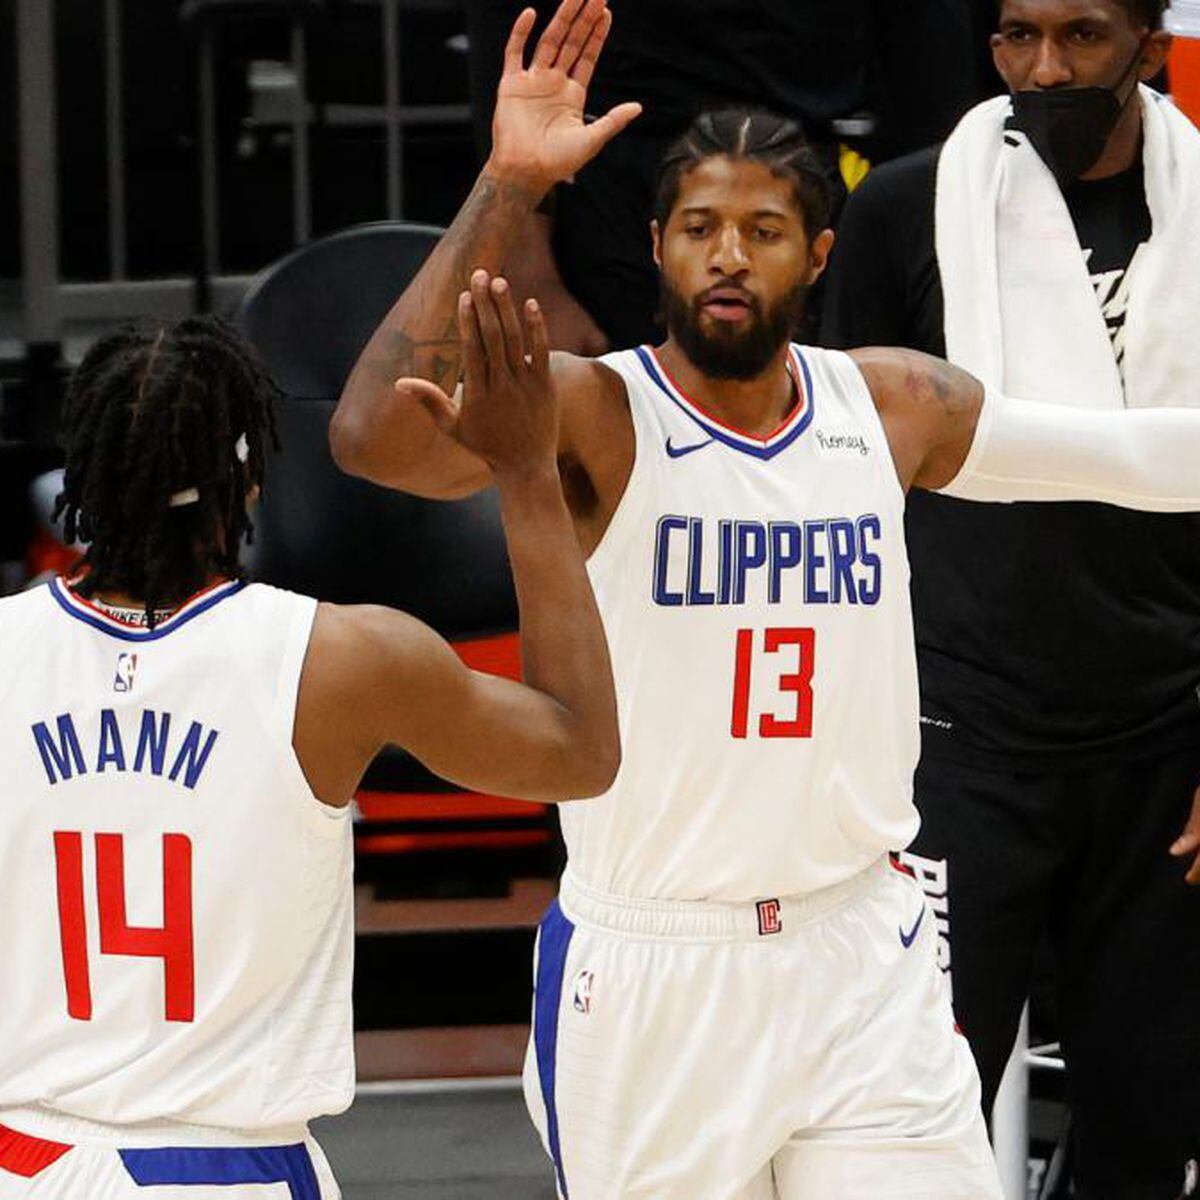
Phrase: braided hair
(164,427)
(748,133)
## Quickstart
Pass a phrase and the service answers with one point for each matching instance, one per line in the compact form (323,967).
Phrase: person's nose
(729,257)
(1051,67)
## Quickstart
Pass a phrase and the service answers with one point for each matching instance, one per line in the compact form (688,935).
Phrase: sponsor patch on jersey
(126,670)
(770,917)
(583,991)
(841,443)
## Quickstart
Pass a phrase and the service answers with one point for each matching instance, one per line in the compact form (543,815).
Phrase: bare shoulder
(361,686)
(900,377)
(352,643)
(928,407)
(596,441)
(587,379)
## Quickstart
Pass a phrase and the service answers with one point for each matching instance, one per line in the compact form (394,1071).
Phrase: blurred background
(289,163)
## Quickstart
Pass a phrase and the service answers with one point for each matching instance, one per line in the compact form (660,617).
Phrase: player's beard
(732,351)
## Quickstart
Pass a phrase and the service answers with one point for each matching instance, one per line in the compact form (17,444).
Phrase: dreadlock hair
(748,133)
(156,409)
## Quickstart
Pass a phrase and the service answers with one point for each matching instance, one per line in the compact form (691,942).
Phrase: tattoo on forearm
(425,340)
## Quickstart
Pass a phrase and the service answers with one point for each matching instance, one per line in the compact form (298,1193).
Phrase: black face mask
(1069,127)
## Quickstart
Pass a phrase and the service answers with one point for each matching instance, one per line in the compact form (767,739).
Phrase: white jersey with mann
(755,596)
(179,913)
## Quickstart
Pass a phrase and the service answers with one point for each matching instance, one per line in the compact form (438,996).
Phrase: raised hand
(538,133)
(508,415)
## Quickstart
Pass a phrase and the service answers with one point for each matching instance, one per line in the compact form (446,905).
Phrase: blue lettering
(191,758)
(751,540)
(725,558)
(695,561)
(869,528)
(60,754)
(785,554)
(152,740)
(843,549)
(111,748)
(662,556)
(813,561)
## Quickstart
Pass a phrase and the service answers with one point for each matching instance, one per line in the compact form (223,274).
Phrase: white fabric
(95,1172)
(270,1039)
(1023,450)
(1020,310)
(697,813)
(818,1062)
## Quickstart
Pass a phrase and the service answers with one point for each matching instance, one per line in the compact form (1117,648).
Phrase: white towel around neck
(1020,309)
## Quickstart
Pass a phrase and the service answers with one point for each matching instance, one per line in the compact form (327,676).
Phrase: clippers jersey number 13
(749,658)
(173,942)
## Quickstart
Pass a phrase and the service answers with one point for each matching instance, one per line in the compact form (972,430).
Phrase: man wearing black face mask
(1052,247)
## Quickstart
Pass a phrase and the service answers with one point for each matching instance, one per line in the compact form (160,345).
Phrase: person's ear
(1154,54)
(819,254)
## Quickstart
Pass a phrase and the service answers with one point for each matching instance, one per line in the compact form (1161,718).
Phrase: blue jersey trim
(141,635)
(225,1166)
(553,942)
(764,452)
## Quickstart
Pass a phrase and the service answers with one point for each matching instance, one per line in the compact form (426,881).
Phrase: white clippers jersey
(755,596)
(179,934)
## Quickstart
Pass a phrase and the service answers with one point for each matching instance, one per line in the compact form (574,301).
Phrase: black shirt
(1047,634)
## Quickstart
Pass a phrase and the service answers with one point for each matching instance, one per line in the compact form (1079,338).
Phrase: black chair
(321,532)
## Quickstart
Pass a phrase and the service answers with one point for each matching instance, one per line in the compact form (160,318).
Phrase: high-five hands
(538,133)
(508,415)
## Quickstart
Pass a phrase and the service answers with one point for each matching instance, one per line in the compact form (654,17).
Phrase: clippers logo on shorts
(583,991)
(770,919)
(126,669)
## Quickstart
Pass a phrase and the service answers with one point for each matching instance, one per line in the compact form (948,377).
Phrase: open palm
(538,132)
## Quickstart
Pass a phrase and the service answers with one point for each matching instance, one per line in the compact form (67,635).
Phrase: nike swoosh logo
(907,940)
(680,451)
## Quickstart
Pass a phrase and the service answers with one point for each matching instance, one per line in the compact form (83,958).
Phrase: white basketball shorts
(797,1048)
(37,1168)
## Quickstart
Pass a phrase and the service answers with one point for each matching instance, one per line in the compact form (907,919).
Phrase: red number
(741,682)
(799,683)
(173,942)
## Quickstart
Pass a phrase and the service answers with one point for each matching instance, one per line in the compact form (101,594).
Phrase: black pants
(1082,856)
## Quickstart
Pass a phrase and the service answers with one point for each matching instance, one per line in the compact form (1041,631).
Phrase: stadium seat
(321,532)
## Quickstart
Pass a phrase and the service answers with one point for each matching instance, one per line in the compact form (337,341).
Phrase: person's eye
(695,230)
(1086,37)
(767,235)
(1017,35)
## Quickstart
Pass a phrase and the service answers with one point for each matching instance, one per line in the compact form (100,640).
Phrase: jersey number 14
(173,942)
(797,683)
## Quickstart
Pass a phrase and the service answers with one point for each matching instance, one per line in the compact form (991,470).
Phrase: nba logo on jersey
(770,920)
(583,991)
(126,667)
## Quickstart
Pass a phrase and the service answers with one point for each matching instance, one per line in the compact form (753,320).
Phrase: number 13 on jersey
(748,658)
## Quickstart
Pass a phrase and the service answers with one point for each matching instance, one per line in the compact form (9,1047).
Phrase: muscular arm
(374,677)
(384,433)
(946,435)
(383,429)
(929,410)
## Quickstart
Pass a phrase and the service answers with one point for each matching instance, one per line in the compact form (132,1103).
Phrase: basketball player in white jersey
(179,753)
(735,994)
